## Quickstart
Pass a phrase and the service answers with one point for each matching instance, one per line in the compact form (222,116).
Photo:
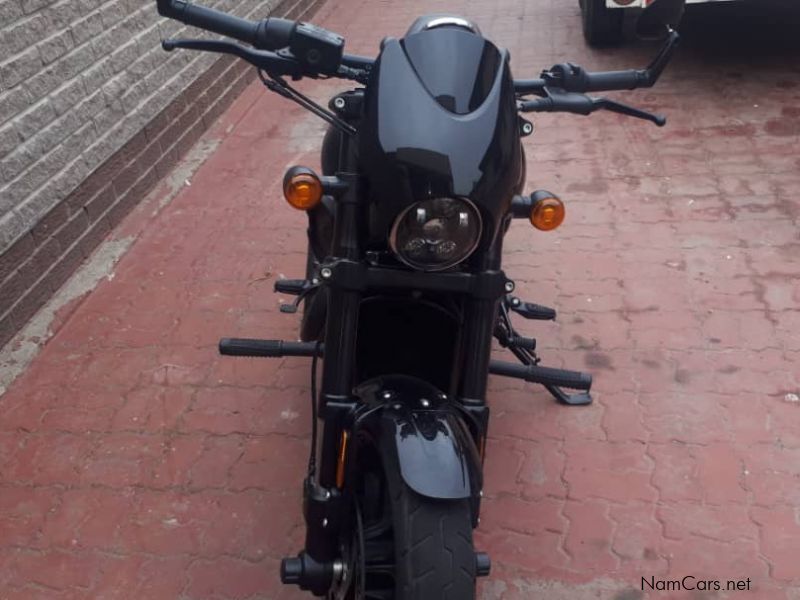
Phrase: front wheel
(406,546)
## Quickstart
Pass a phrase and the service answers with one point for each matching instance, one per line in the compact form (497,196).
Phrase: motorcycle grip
(606,81)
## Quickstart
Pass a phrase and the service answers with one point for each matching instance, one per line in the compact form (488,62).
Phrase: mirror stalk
(651,74)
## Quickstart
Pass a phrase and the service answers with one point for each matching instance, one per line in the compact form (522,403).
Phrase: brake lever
(624,109)
(558,100)
(292,308)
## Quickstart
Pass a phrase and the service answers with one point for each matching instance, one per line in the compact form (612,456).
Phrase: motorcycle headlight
(436,234)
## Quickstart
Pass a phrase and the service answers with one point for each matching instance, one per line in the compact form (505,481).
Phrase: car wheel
(601,26)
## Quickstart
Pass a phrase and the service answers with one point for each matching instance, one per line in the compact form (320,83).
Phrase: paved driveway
(137,464)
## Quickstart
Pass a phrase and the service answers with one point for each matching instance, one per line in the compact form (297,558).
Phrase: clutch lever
(268,61)
(625,109)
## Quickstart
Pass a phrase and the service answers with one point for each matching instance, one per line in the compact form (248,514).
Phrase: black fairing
(440,120)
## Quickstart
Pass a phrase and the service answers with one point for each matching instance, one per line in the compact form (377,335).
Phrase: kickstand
(577,399)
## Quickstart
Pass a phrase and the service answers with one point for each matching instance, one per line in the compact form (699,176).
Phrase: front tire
(601,26)
(434,555)
(407,546)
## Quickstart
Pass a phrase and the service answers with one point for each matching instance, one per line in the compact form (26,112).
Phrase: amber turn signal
(547,213)
(302,188)
(340,463)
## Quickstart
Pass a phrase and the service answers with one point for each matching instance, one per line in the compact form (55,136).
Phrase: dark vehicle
(604,20)
(404,292)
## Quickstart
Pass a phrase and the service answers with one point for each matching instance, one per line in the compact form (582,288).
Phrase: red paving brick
(137,464)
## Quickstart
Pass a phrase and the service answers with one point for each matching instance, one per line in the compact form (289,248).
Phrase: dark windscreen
(457,67)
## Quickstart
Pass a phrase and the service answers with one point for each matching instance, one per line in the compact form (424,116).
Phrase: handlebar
(574,78)
(316,50)
(268,34)
(286,47)
(563,88)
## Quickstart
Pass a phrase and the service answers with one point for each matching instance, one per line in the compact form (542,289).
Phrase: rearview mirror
(659,18)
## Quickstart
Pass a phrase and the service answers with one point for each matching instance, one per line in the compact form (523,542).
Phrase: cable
(280,87)
(312,457)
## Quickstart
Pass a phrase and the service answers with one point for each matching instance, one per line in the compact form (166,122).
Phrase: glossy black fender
(422,435)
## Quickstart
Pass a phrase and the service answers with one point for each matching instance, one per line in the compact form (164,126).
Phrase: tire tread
(435,556)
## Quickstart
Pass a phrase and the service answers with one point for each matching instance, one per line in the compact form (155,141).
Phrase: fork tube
(343,305)
(480,320)
(342,324)
(479,323)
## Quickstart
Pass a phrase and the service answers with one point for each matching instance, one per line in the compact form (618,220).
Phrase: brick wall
(92,114)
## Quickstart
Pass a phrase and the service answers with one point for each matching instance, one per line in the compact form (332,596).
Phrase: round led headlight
(436,234)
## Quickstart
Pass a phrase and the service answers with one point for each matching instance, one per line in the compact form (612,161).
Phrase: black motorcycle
(422,170)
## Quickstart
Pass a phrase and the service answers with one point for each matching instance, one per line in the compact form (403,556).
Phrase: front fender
(423,437)
(434,451)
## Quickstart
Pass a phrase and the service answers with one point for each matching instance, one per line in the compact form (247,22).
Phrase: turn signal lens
(340,463)
(302,188)
(547,213)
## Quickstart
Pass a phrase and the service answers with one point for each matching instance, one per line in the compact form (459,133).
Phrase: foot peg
(524,349)
(544,375)
(522,342)
(552,379)
(266,348)
(529,310)
(293,287)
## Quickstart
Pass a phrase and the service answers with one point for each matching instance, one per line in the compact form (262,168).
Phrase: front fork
(480,316)
(336,403)
(324,503)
